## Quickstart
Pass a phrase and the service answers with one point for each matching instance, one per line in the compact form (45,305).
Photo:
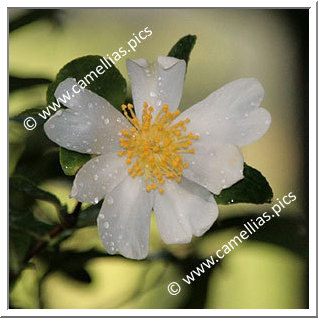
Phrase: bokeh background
(268,271)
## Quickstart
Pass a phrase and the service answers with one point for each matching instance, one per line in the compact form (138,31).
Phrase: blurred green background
(268,271)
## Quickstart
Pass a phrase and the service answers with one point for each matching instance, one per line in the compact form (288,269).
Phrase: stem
(69,222)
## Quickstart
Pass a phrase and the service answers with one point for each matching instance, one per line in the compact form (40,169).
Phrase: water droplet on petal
(52,126)
(118,120)
(109,200)
(106,121)
(153,94)
(96,200)
(106,225)
(95,177)
(59,112)
(101,216)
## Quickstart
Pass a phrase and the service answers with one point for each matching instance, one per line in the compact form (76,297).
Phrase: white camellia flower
(156,158)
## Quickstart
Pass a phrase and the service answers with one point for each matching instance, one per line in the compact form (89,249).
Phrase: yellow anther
(154,145)
(123,106)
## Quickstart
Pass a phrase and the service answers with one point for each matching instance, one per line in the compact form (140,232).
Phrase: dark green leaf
(24,222)
(183,48)
(34,15)
(69,262)
(27,187)
(16,83)
(254,188)
(88,216)
(19,244)
(111,85)
(71,161)
(32,112)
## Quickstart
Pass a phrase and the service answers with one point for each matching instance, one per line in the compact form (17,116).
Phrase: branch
(70,221)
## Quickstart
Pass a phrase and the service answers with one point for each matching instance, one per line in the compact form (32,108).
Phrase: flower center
(153,146)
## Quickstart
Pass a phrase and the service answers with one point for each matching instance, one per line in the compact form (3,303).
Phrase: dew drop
(52,126)
(95,177)
(96,200)
(109,200)
(106,225)
(207,133)
(101,216)
(153,94)
(89,150)
(59,112)
(106,121)
(118,120)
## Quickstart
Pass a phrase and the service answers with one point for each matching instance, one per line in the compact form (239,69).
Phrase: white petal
(215,166)
(124,220)
(97,177)
(184,210)
(231,114)
(158,84)
(91,125)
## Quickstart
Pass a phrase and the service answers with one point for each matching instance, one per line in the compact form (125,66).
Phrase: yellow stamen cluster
(153,146)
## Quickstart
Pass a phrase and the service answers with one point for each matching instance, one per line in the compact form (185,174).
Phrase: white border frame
(312,166)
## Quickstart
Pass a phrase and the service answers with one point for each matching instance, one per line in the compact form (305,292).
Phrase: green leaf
(16,83)
(19,244)
(70,263)
(89,216)
(110,85)
(32,112)
(33,16)
(72,161)
(254,188)
(23,221)
(20,184)
(183,48)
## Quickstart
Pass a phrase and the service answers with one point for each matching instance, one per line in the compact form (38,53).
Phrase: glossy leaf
(183,48)
(110,85)
(72,161)
(254,188)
